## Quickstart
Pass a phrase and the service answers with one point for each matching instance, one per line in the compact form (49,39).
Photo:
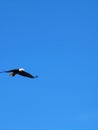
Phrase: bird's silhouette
(19,71)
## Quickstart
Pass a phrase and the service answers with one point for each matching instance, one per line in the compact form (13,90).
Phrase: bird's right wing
(23,73)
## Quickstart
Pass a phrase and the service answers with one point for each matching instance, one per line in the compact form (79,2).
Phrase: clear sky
(57,40)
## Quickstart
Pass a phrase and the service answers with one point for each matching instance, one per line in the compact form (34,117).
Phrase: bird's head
(21,69)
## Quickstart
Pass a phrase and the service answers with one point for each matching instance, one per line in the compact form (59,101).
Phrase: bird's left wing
(7,71)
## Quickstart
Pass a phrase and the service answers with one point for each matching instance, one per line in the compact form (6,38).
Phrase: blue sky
(57,40)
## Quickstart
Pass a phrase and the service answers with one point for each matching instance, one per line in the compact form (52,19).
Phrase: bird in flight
(19,71)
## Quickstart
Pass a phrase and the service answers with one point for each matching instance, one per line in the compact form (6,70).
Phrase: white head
(21,69)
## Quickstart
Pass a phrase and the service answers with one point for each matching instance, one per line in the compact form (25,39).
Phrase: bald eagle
(19,71)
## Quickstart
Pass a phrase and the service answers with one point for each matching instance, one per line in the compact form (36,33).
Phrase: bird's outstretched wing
(23,73)
(8,71)
(13,70)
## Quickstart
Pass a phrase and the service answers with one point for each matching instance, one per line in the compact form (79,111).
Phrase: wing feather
(23,73)
(13,70)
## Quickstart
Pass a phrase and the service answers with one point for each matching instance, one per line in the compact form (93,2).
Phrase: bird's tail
(12,74)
